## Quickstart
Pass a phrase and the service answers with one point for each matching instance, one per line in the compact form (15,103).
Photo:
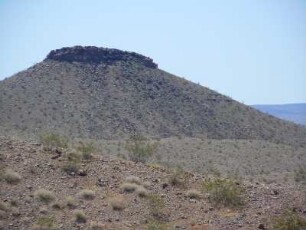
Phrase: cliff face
(91,54)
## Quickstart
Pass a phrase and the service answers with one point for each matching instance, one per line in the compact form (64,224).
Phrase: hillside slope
(103,93)
(290,112)
(23,205)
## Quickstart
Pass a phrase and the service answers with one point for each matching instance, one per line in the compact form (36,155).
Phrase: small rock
(164,185)
(261,226)
(82,172)
(29,186)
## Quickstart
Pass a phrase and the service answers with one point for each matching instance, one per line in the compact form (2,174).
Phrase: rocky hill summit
(100,93)
(92,54)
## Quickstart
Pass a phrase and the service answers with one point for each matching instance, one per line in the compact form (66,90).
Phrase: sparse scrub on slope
(53,140)
(224,192)
(289,220)
(139,148)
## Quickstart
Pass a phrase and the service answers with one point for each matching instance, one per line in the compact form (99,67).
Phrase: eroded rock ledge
(92,54)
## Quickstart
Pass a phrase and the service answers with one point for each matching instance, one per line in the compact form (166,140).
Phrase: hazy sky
(251,50)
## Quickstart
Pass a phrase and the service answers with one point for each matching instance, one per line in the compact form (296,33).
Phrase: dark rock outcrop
(92,54)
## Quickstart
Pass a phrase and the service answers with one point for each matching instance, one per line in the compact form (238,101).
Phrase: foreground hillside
(162,200)
(99,93)
(291,112)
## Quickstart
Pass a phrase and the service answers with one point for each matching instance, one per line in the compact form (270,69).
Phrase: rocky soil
(40,169)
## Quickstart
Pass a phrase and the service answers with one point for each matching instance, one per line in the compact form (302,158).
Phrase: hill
(39,191)
(290,112)
(101,93)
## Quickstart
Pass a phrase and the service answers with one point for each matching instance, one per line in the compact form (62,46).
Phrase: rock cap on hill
(92,54)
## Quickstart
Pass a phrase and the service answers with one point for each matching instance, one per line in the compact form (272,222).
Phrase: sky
(251,50)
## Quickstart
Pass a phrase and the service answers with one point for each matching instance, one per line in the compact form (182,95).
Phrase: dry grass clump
(70,202)
(193,194)
(58,205)
(80,216)
(289,220)
(96,226)
(87,194)
(44,195)
(3,206)
(45,223)
(141,191)
(118,203)
(129,187)
(133,180)
(11,177)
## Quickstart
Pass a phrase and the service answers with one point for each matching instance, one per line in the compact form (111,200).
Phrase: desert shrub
(11,177)
(86,150)
(70,202)
(156,204)
(71,167)
(289,221)
(141,191)
(58,205)
(72,164)
(52,140)
(300,175)
(118,203)
(45,223)
(193,194)
(44,196)
(129,187)
(87,194)
(224,192)
(80,216)
(133,180)
(155,225)
(177,177)
(3,206)
(139,148)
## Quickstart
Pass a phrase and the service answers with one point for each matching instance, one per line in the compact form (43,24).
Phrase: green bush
(289,221)
(86,150)
(140,149)
(52,140)
(224,192)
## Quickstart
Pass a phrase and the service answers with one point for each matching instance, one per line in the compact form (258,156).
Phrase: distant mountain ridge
(295,112)
(102,93)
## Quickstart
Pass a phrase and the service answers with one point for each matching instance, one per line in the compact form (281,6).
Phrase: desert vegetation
(224,192)
(139,148)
